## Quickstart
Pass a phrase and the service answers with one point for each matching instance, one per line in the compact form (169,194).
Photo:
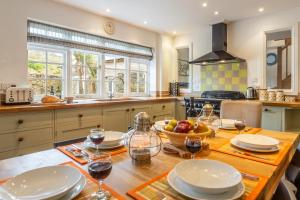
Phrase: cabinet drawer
(20,152)
(78,115)
(67,133)
(161,108)
(23,139)
(21,121)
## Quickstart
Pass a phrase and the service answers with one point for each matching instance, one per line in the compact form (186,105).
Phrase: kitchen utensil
(169,148)
(178,185)
(249,176)
(32,185)
(250,154)
(289,98)
(257,141)
(17,95)
(208,176)
(236,143)
(251,93)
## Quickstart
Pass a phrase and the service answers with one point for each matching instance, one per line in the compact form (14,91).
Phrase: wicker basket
(177,139)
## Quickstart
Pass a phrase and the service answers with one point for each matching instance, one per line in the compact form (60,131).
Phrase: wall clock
(109,28)
(271,58)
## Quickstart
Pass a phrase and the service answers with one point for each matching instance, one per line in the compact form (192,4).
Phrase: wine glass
(100,170)
(97,137)
(240,125)
(193,145)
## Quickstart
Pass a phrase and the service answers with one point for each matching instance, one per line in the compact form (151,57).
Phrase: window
(46,70)
(85,73)
(138,76)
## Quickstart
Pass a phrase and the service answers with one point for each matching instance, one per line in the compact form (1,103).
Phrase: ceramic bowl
(208,176)
(43,183)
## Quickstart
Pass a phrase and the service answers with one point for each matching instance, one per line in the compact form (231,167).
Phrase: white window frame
(48,48)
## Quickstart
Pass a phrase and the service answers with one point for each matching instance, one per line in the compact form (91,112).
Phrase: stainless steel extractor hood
(219,52)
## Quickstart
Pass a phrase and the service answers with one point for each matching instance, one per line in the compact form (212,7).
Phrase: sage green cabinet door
(136,109)
(180,110)
(272,118)
(116,118)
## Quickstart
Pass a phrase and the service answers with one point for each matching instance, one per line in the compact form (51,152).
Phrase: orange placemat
(90,187)
(158,187)
(91,152)
(247,130)
(273,158)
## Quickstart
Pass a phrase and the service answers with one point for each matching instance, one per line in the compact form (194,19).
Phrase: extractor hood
(219,52)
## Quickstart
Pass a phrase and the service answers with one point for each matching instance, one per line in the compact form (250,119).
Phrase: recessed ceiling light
(216,12)
(174,32)
(145,22)
(204,4)
(261,9)
(107,10)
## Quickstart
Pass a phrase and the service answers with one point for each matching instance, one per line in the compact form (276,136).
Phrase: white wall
(13,34)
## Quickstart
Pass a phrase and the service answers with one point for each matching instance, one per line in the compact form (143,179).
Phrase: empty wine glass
(240,125)
(97,137)
(100,170)
(193,145)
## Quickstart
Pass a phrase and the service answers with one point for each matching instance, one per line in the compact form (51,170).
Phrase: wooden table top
(126,176)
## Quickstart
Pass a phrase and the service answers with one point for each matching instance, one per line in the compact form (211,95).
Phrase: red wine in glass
(193,145)
(100,170)
(240,125)
(97,138)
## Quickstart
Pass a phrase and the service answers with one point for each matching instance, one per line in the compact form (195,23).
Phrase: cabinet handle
(266,109)
(127,110)
(132,109)
(80,115)
(20,121)
(21,139)
(163,107)
(98,126)
(154,116)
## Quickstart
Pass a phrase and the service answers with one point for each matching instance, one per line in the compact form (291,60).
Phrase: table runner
(90,187)
(273,158)
(158,187)
(90,151)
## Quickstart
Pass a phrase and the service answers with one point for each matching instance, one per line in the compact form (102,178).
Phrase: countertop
(85,103)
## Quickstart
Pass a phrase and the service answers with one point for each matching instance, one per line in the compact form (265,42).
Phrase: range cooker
(214,98)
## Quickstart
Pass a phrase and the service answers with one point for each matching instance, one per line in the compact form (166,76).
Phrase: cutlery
(249,176)
(160,195)
(84,153)
(250,154)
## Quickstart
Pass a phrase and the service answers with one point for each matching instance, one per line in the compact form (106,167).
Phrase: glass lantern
(143,143)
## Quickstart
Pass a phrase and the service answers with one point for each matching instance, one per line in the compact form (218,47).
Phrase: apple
(200,128)
(183,127)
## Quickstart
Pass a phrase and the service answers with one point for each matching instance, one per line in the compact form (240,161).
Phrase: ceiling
(181,16)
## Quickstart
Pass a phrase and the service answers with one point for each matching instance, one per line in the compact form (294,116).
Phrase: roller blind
(38,32)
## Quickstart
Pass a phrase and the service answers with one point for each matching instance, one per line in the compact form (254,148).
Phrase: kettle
(251,93)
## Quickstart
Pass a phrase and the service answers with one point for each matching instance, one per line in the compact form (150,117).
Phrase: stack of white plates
(225,124)
(159,125)
(255,142)
(112,140)
(206,179)
(51,183)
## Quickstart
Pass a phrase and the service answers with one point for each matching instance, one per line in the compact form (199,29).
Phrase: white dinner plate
(178,185)
(75,191)
(235,142)
(43,183)
(208,176)
(227,124)
(257,141)
(89,144)
(111,138)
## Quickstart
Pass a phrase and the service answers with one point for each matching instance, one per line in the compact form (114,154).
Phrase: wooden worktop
(81,104)
(125,176)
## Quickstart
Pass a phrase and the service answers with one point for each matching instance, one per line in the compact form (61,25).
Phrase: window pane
(37,55)
(119,82)
(91,73)
(142,82)
(133,81)
(143,67)
(134,66)
(36,70)
(55,57)
(78,73)
(91,60)
(120,63)
(91,87)
(109,73)
(54,71)
(77,58)
(109,61)
(78,87)
(38,86)
(57,85)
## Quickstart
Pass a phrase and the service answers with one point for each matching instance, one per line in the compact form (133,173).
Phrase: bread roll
(51,99)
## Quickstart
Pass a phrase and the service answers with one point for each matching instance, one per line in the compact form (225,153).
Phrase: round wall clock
(271,58)
(109,28)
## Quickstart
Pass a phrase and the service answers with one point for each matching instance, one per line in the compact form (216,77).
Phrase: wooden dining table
(125,175)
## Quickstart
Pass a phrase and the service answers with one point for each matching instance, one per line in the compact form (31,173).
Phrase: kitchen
(120,92)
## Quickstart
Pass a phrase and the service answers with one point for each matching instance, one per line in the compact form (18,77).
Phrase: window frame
(48,48)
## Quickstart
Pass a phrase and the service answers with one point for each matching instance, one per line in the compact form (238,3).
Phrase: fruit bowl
(177,139)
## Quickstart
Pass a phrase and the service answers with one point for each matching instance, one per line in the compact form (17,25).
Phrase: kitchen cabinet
(180,110)
(136,109)
(160,111)
(116,118)
(273,118)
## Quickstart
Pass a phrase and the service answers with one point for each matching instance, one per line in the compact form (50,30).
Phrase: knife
(250,154)
(249,176)
(86,154)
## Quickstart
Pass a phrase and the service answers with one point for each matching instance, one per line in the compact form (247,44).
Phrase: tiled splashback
(224,77)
